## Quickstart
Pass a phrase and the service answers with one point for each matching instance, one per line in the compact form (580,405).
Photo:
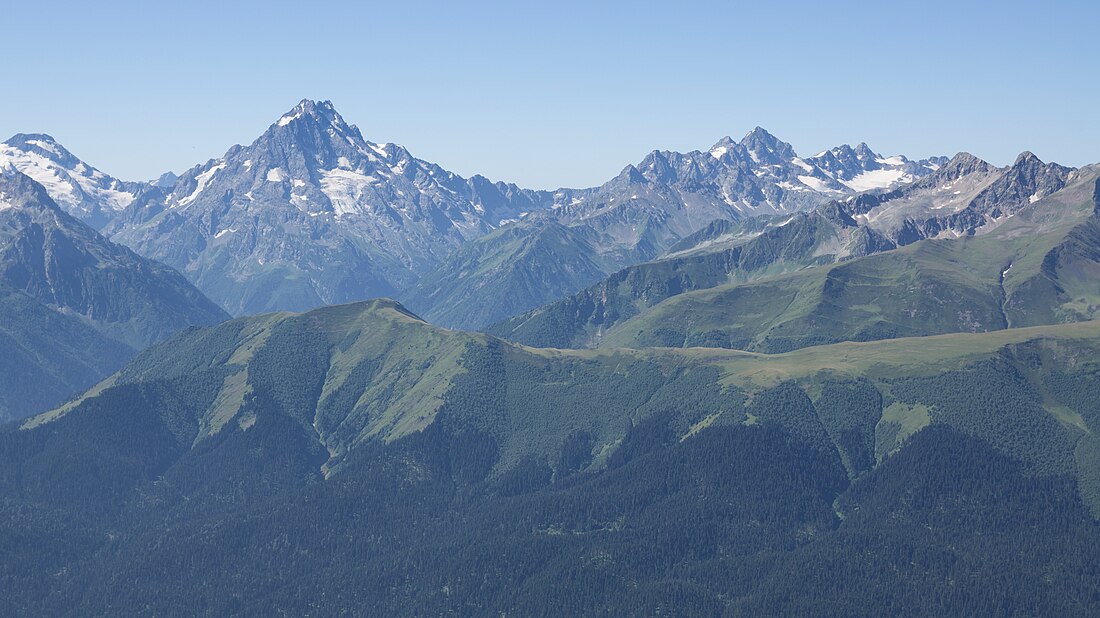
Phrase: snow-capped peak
(77,187)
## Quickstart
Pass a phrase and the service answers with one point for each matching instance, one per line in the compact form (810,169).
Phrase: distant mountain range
(960,197)
(1028,257)
(312,213)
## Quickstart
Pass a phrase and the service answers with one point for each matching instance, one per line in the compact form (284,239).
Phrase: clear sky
(556,93)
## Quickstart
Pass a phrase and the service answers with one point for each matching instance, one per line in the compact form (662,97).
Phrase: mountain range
(1030,213)
(312,213)
(726,382)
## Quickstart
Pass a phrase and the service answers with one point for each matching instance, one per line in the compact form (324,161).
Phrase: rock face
(74,305)
(962,198)
(312,213)
(676,194)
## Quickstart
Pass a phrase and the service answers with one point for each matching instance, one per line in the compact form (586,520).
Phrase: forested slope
(356,457)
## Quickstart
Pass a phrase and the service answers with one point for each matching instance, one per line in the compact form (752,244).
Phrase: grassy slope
(367,372)
(1046,259)
(353,374)
(885,359)
(578,320)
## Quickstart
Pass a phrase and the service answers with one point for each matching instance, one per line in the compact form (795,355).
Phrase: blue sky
(556,93)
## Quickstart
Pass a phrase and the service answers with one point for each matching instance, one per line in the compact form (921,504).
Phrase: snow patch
(790,186)
(47,146)
(275,174)
(800,163)
(200,183)
(346,190)
(814,183)
(877,179)
(289,118)
(70,190)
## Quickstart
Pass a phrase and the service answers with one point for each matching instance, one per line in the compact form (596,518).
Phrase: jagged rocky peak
(314,132)
(317,120)
(863,152)
(317,111)
(167,180)
(963,164)
(1027,163)
(1027,158)
(766,148)
(846,161)
(658,168)
(725,147)
(1031,178)
(18,190)
(313,214)
(631,175)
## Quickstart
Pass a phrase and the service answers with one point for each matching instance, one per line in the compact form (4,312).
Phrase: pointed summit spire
(1027,158)
(318,111)
(962,164)
(722,147)
(863,151)
(758,133)
(767,148)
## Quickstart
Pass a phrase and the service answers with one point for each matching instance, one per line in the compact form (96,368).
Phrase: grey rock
(312,213)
